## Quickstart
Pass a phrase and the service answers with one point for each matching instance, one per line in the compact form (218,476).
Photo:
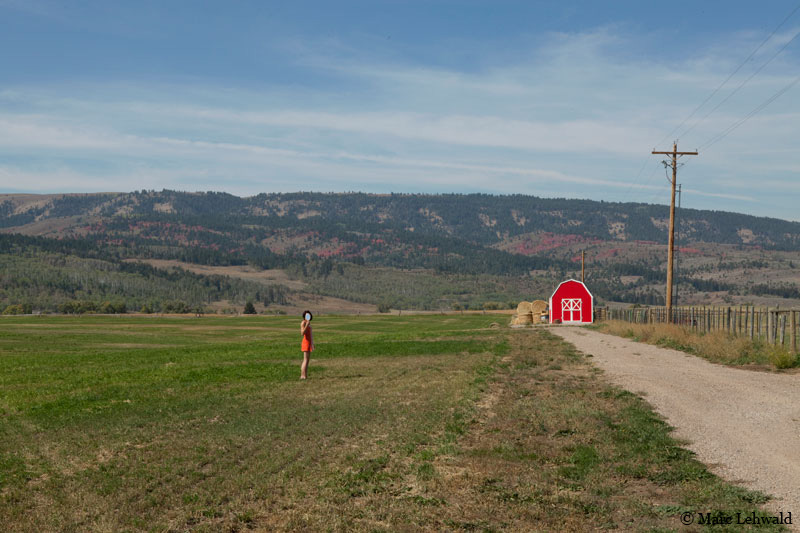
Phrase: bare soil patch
(48,226)
(239,271)
(302,301)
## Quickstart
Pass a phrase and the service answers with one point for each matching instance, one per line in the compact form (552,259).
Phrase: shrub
(249,309)
(176,307)
(14,309)
(780,357)
(77,307)
(109,308)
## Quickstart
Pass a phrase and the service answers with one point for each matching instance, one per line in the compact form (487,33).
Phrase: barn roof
(576,281)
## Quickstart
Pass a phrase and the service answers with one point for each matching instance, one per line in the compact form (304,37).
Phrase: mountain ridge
(463,249)
(481,218)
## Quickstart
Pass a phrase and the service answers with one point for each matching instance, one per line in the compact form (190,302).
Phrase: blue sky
(555,99)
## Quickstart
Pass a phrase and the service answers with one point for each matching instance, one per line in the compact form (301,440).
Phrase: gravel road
(745,425)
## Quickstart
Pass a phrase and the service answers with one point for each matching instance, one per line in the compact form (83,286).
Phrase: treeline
(40,280)
(783,290)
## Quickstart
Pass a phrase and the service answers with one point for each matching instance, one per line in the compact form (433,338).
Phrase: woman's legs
(304,366)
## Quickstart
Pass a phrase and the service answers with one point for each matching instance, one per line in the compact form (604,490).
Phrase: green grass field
(406,423)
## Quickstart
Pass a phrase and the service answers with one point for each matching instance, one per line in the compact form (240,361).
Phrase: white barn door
(571,310)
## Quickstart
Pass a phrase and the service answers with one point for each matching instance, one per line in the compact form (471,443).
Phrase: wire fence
(769,324)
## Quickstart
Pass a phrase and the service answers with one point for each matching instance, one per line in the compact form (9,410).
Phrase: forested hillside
(72,276)
(478,218)
(59,249)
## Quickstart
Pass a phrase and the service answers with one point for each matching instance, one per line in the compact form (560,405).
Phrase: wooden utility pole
(583,259)
(674,164)
(678,213)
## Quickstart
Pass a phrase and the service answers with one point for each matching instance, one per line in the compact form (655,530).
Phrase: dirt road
(745,425)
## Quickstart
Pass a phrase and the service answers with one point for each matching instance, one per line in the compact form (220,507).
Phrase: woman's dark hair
(310,316)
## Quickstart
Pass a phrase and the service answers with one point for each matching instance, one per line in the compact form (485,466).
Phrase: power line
(727,131)
(714,140)
(741,85)
(627,194)
(721,85)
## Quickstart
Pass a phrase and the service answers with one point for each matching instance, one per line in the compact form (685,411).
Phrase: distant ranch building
(571,303)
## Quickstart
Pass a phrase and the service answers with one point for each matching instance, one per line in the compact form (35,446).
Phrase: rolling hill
(396,250)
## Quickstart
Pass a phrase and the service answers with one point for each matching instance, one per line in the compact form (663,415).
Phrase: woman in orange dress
(307,344)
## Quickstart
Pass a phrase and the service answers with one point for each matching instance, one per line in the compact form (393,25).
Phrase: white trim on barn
(571,306)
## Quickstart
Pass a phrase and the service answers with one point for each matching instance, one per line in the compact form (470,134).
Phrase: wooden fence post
(739,325)
(793,332)
(770,326)
(742,320)
(782,322)
(738,321)
(745,316)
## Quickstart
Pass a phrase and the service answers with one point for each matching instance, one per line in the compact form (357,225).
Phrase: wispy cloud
(573,117)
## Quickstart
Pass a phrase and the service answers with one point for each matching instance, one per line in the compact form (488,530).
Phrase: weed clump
(780,357)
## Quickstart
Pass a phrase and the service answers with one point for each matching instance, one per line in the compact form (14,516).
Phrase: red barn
(571,303)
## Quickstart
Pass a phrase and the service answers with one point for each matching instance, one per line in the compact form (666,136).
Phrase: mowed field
(412,423)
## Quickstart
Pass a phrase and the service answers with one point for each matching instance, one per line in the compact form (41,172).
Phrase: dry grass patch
(716,346)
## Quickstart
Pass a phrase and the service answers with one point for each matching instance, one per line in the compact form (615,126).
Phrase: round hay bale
(525,319)
(537,308)
(523,308)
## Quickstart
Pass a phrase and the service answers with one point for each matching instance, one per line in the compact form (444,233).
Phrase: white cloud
(69,180)
(574,116)
(42,132)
